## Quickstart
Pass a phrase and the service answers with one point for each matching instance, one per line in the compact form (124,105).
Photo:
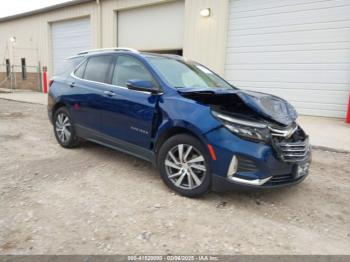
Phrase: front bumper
(222,184)
(259,165)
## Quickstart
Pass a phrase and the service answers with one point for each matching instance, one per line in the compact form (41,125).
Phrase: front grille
(281,179)
(246,165)
(291,144)
(294,152)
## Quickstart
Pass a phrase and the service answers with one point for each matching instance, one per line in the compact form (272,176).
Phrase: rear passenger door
(88,84)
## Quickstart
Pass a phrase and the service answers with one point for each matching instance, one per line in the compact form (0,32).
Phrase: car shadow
(256,197)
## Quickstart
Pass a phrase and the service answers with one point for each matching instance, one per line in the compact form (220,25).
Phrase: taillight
(50,82)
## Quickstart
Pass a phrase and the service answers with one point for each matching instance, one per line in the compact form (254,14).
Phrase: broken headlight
(248,130)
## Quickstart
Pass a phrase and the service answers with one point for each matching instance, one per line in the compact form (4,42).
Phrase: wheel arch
(172,131)
(56,107)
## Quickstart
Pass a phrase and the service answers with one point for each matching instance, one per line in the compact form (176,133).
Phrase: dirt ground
(93,200)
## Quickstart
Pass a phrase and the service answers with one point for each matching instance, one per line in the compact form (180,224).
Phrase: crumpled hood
(265,105)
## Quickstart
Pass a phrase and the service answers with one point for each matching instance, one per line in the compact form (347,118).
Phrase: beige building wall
(33,34)
(204,38)
(109,16)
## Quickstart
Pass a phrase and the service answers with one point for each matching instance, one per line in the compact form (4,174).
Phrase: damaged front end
(256,117)
(291,144)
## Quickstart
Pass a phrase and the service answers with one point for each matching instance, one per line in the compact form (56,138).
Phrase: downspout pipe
(99,23)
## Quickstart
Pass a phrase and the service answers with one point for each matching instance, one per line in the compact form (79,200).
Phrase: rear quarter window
(68,66)
(79,72)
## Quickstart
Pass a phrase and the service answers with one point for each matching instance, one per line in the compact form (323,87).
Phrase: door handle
(72,84)
(109,93)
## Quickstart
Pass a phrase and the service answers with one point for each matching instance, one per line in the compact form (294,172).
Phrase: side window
(80,71)
(129,68)
(68,66)
(98,68)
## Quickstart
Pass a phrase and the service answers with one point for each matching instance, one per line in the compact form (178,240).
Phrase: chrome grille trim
(294,144)
(291,143)
(255,182)
(294,152)
(287,132)
(281,179)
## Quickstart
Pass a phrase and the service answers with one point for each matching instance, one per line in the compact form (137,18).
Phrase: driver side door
(128,114)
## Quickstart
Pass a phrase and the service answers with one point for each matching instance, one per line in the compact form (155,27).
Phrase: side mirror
(142,86)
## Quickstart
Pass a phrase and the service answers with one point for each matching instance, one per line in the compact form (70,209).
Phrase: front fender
(179,112)
(171,124)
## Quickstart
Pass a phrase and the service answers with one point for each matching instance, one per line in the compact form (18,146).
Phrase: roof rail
(108,49)
(174,56)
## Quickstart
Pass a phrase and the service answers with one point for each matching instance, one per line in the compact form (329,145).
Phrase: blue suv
(201,132)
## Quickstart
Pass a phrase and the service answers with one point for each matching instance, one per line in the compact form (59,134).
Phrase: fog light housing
(232,169)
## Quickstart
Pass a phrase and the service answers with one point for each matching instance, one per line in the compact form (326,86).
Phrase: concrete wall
(204,38)
(32,82)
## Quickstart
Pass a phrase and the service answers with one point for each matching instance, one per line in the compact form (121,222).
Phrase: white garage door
(156,27)
(296,49)
(69,38)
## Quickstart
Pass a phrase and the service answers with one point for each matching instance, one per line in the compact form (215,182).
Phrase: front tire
(184,165)
(64,128)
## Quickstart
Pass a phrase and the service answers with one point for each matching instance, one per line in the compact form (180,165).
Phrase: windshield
(180,74)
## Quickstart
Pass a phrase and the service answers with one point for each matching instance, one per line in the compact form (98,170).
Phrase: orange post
(348,114)
(45,79)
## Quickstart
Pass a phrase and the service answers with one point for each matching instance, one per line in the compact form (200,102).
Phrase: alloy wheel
(63,128)
(185,166)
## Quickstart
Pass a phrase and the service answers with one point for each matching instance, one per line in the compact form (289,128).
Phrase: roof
(125,49)
(171,56)
(44,10)
(108,50)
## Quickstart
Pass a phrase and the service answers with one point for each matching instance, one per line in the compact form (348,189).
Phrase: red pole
(45,79)
(348,114)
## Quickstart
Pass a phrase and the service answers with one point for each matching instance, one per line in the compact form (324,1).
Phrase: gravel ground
(93,200)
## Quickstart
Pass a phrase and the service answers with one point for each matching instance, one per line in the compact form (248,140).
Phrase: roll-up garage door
(69,38)
(155,27)
(296,49)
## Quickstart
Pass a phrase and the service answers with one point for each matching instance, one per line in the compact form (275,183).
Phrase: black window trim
(108,74)
(153,78)
(161,92)
(91,81)
(85,61)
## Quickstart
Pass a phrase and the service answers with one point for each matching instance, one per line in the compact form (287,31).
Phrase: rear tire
(184,165)
(64,128)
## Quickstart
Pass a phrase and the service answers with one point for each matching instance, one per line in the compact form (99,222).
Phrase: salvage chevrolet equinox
(201,132)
